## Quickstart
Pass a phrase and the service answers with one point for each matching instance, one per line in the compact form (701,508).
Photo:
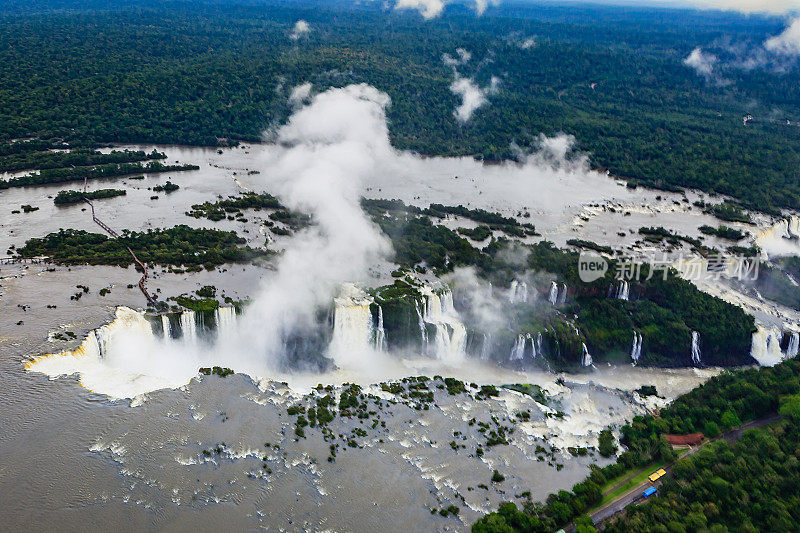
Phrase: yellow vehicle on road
(657,474)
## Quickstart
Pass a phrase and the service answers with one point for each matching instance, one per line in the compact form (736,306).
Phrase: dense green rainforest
(209,73)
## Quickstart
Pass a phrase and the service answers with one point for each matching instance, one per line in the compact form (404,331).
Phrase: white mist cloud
(463,57)
(430,9)
(788,42)
(702,62)
(331,146)
(747,6)
(301,28)
(481,5)
(300,94)
(777,53)
(555,149)
(472,95)
(484,310)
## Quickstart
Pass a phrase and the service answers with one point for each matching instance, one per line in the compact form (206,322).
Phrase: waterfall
(553,296)
(423,332)
(352,327)
(128,325)
(636,348)
(766,346)
(189,326)
(90,346)
(518,351)
(486,347)
(777,237)
(539,343)
(518,292)
(225,318)
(451,335)
(623,291)
(165,327)
(695,348)
(122,359)
(563,296)
(794,344)
(793,227)
(586,360)
(380,333)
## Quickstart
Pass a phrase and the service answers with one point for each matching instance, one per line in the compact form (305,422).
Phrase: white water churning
(352,327)
(451,336)
(189,326)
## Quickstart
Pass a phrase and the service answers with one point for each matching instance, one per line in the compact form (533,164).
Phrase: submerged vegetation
(63,175)
(723,232)
(179,245)
(75,197)
(203,304)
(233,206)
(77,157)
(168,187)
(216,371)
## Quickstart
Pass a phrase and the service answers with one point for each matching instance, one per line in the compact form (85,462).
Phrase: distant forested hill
(208,72)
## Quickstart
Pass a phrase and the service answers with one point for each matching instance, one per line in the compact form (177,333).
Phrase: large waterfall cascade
(225,319)
(188,322)
(100,343)
(125,358)
(165,327)
(766,345)
(352,326)
(786,228)
(451,335)
(354,330)
(133,326)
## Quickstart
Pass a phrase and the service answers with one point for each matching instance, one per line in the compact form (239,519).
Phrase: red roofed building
(691,439)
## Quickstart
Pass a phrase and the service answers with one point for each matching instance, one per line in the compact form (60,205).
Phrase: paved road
(636,493)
